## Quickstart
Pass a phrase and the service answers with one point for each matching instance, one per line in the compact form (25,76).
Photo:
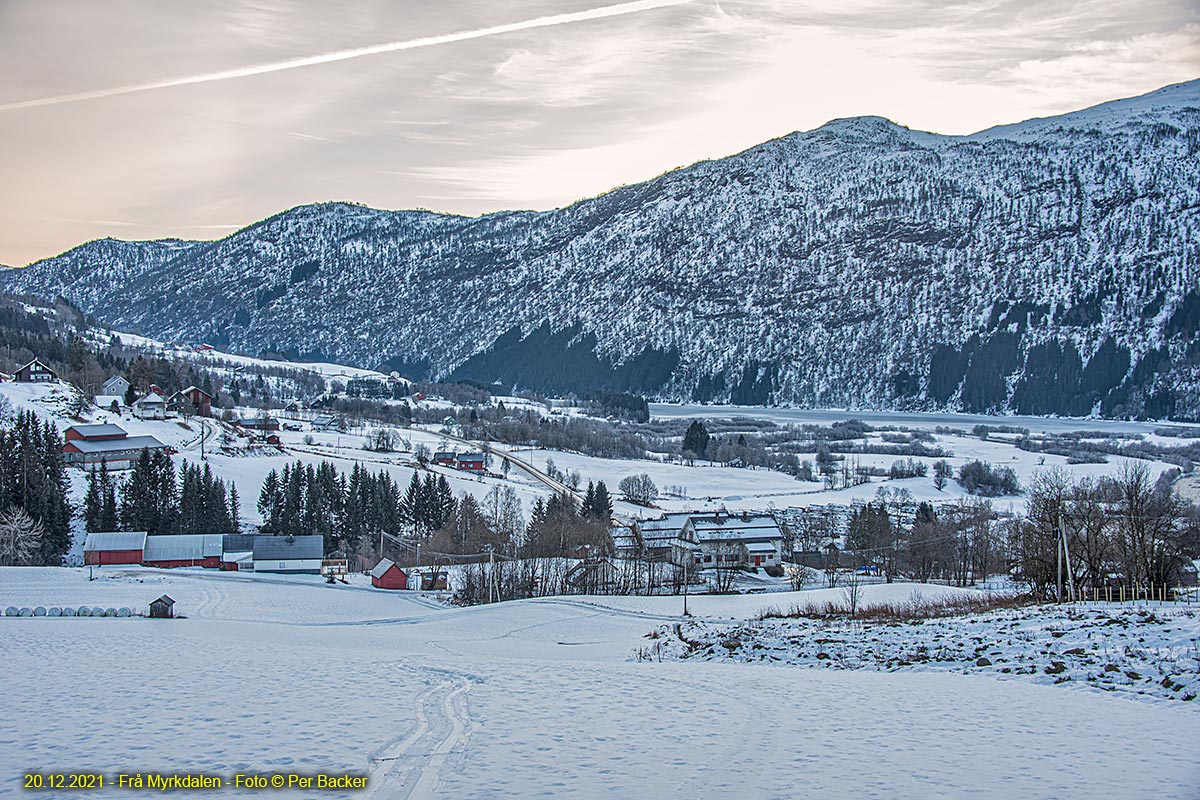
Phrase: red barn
(184,550)
(444,457)
(387,575)
(114,548)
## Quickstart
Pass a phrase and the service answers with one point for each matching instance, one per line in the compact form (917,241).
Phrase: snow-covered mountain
(1045,267)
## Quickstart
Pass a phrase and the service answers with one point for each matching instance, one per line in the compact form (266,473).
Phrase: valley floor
(538,698)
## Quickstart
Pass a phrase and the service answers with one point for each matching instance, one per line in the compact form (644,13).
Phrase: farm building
(184,550)
(34,372)
(258,423)
(446,458)
(237,552)
(123,547)
(116,386)
(293,554)
(742,540)
(387,575)
(325,422)
(88,445)
(471,462)
(192,401)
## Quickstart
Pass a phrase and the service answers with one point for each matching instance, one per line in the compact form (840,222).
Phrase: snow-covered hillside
(1044,267)
(529,698)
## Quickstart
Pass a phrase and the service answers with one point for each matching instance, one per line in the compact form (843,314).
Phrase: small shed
(387,575)
(162,608)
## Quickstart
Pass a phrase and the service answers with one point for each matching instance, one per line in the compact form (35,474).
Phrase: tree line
(158,499)
(35,509)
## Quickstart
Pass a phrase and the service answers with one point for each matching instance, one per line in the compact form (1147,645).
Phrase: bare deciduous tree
(20,535)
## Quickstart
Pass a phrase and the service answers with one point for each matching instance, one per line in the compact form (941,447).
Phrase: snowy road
(538,698)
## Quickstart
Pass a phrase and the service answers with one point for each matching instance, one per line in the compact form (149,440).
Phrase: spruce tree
(695,440)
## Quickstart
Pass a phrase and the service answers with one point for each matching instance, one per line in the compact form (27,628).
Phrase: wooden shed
(162,608)
(387,575)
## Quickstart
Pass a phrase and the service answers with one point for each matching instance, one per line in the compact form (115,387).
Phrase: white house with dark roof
(709,539)
(152,406)
(737,540)
(294,554)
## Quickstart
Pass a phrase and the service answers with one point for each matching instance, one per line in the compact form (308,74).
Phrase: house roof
(721,527)
(471,457)
(166,599)
(106,400)
(98,430)
(153,398)
(183,547)
(239,542)
(760,547)
(382,567)
(284,548)
(116,445)
(37,361)
(115,540)
(194,389)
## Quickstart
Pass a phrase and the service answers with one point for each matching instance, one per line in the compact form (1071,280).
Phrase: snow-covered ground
(537,698)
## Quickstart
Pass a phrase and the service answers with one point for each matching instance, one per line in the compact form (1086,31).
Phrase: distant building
(87,446)
(387,575)
(324,422)
(737,540)
(117,547)
(116,385)
(291,554)
(192,401)
(109,402)
(258,423)
(152,406)
(184,550)
(446,458)
(471,462)
(34,372)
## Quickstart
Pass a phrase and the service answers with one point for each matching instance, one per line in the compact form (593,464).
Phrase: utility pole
(1058,554)
(685,583)
(491,554)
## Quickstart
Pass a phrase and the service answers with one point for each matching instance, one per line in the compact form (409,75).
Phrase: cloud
(344,55)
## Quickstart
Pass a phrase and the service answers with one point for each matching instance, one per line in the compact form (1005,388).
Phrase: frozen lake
(911,419)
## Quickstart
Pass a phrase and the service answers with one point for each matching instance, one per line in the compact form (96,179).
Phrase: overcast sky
(146,119)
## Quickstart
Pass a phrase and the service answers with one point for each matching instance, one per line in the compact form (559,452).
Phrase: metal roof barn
(298,554)
(115,547)
(185,550)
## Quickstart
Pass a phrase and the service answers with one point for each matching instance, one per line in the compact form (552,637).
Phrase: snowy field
(538,698)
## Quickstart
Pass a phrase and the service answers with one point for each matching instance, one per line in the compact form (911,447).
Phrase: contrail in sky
(344,55)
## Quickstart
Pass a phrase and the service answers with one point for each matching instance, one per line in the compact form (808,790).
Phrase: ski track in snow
(410,768)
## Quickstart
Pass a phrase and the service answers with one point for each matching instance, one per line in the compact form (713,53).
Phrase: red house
(472,462)
(387,575)
(444,457)
(114,548)
(200,400)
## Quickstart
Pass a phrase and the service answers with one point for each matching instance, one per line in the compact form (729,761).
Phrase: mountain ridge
(860,264)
